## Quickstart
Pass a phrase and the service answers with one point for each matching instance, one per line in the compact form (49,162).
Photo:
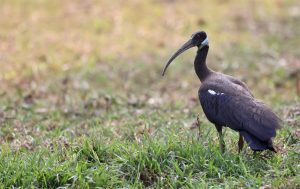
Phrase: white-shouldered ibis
(227,101)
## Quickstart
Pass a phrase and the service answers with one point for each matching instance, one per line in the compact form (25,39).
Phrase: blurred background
(67,66)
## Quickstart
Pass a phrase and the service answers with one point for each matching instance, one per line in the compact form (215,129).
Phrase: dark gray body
(232,105)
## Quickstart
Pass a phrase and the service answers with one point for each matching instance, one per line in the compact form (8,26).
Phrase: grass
(172,163)
(83,105)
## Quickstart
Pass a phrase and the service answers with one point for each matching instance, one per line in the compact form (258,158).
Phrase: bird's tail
(256,144)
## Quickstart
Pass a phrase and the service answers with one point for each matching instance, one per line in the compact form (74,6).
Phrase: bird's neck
(201,68)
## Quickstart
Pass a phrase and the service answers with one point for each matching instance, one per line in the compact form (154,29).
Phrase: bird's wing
(240,83)
(239,111)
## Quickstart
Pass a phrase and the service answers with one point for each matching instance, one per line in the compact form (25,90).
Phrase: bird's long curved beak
(189,44)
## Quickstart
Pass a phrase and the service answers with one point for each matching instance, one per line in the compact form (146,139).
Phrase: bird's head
(198,39)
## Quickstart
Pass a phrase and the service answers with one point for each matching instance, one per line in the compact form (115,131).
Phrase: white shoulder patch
(212,92)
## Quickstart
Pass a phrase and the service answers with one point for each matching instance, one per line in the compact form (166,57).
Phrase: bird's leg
(254,153)
(199,124)
(221,140)
(241,143)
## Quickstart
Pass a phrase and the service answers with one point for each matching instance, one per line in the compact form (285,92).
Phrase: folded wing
(238,111)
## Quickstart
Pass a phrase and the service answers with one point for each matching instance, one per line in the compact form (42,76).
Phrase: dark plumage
(227,101)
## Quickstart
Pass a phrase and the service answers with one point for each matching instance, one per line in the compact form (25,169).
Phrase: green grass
(83,104)
(148,150)
(171,163)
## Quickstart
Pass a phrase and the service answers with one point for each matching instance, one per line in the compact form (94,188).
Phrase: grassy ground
(82,102)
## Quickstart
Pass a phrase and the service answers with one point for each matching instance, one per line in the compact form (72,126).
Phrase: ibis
(227,102)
